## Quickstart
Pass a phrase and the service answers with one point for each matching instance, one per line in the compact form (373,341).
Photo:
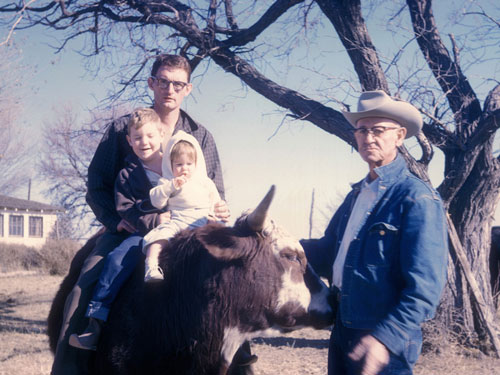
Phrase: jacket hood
(166,167)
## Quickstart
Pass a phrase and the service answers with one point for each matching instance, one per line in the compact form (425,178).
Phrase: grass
(25,301)
(24,305)
(456,360)
(29,280)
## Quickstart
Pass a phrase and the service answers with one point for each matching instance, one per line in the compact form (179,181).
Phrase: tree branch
(350,25)
(439,135)
(302,107)
(13,27)
(483,14)
(461,97)
(427,151)
(231,21)
(490,122)
(17,8)
(212,13)
(275,11)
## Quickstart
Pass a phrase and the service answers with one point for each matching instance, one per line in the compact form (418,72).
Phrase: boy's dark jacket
(132,201)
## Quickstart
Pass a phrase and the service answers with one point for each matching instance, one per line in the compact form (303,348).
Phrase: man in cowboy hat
(385,249)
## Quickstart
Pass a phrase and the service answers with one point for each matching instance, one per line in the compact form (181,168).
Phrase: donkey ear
(221,243)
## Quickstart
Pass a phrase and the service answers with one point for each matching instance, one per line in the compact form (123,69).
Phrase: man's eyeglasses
(376,131)
(165,83)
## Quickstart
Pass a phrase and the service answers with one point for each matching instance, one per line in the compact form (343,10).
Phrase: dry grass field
(24,305)
(25,301)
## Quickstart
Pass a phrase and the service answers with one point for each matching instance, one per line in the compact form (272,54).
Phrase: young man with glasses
(170,83)
(385,250)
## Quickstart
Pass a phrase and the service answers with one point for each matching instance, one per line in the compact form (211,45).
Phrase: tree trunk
(472,210)
(470,188)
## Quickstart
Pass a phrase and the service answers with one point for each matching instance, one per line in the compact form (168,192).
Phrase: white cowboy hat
(378,104)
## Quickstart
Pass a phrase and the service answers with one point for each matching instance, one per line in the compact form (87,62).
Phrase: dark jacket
(395,268)
(132,201)
(109,159)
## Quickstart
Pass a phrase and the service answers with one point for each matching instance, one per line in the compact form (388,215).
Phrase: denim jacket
(395,267)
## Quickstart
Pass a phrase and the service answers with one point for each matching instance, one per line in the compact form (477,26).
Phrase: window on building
(16,225)
(1,225)
(36,226)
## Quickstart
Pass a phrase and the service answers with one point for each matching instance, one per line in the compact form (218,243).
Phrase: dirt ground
(25,301)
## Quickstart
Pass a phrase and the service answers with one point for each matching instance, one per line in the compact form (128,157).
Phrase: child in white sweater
(187,192)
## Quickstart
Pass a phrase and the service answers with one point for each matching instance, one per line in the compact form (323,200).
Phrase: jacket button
(382,232)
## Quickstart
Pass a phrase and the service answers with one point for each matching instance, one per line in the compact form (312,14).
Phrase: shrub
(57,255)
(18,257)
(54,257)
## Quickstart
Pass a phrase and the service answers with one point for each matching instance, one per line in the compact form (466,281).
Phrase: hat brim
(402,112)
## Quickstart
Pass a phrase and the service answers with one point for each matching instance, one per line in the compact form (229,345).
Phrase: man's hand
(125,225)
(221,211)
(164,217)
(372,354)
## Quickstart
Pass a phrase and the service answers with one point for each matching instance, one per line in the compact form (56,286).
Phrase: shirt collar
(371,185)
(186,123)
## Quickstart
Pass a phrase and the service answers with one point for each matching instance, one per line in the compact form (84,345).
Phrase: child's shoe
(89,338)
(153,274)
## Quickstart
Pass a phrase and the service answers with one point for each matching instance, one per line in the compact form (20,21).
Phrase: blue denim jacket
(395,267)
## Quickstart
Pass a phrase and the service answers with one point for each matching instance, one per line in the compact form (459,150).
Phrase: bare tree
(13,159)
(244,38)
(69,144)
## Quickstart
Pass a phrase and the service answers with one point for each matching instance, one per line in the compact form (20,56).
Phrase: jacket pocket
(380,243)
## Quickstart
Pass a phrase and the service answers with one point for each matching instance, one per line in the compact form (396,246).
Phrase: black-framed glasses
(165,83)
(376,131)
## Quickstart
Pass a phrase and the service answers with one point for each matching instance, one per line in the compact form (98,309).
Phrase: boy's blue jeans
(118,266)
(343,340)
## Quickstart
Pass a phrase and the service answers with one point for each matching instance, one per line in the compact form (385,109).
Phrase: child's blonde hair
(142,116)
(183,147)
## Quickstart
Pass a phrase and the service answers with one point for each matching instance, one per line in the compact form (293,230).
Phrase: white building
(26,222)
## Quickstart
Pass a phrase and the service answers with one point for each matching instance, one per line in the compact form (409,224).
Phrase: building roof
(11,203)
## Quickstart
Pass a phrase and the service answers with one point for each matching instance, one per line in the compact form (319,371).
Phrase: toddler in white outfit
(187,192)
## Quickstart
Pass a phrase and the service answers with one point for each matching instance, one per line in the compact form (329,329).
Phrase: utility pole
(311,213)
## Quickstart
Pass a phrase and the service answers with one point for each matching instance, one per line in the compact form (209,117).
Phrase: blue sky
(256,148)
(254,153)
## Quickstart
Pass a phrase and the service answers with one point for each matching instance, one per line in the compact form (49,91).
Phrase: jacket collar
(391,172)
(388,174)
(132,160)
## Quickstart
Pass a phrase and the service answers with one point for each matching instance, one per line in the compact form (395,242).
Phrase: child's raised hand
(179,181)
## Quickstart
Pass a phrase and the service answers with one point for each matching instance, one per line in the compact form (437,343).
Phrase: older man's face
(378,139)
